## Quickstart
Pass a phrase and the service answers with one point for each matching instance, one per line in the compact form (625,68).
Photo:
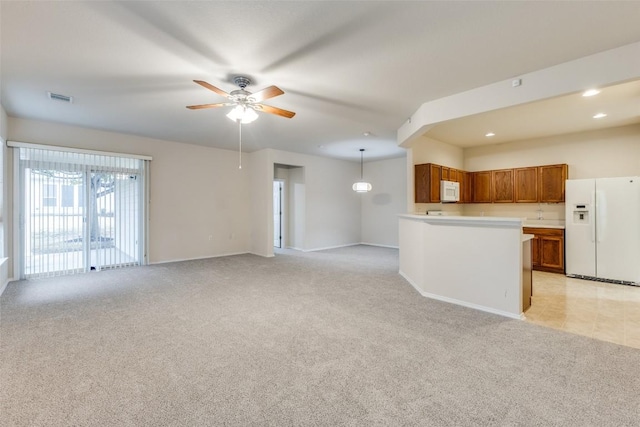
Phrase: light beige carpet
(331,338)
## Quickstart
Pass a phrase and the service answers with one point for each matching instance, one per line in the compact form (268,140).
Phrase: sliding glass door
(80,212)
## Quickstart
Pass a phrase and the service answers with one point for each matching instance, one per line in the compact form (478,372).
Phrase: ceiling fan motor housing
(242,81)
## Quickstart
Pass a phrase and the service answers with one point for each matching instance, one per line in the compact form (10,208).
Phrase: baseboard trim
(330,247)
(4,286)
(380,246)
(521,316)
(197,258)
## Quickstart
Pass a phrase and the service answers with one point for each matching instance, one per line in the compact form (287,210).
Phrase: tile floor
(599,310)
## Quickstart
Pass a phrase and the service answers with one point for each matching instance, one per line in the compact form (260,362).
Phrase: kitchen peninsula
(476,262)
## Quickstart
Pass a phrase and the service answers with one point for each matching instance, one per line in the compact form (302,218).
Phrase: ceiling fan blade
(266,93)
(212,87)
(200,107)
(274,110)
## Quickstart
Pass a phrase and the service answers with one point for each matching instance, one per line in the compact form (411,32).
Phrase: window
(67,196)
(49,195)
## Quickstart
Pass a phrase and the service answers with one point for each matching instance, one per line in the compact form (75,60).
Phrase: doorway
(288,206)
(277,213)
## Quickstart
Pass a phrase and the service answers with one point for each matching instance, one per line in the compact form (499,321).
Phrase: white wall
(202,205)
(594,154)
(332,208)
(195,192)
(297,208)
(387,199)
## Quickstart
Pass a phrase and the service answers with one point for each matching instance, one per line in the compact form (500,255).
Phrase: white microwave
(449,191)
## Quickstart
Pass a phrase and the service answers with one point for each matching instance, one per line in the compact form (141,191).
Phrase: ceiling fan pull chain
(239,144)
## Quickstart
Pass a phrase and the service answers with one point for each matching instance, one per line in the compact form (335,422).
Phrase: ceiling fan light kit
(361,186)
(243,113)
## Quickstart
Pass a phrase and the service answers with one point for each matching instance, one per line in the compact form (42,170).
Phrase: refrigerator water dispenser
(581,214)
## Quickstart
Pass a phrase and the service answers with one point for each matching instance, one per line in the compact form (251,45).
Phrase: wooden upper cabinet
(444,173)
(427,183)
(435,172)
(481,184)
(421,180)
(502,186)
(466,187)
(520,185)
(526,185)
(551,182)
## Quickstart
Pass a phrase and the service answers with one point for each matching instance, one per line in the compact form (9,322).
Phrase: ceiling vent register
(59,97)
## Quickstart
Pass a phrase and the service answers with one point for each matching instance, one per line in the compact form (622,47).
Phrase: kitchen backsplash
(553,211)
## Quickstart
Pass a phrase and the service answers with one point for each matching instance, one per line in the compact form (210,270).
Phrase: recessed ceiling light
(599,116)
(591,92)
(490,134)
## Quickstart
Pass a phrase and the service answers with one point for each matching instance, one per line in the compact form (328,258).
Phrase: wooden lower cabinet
(547,249)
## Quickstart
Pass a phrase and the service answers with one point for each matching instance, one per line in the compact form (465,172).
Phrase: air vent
(58,97)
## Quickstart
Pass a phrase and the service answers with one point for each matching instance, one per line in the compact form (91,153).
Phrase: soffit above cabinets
(556,116)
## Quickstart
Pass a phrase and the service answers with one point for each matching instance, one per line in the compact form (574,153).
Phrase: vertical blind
(80,211)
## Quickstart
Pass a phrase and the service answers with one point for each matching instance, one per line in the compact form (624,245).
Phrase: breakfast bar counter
(476,262)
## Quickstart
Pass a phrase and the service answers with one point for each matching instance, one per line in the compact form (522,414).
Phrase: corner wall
(387,199)
(199,201)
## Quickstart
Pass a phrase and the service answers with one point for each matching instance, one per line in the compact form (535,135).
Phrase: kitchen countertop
(486,221)
(455,217)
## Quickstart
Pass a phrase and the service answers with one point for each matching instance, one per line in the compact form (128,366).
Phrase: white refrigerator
(602,229)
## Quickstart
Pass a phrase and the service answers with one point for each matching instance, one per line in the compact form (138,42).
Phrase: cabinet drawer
(543,231)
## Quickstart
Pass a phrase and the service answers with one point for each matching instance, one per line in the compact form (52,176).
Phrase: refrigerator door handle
(600,216)
(593,216)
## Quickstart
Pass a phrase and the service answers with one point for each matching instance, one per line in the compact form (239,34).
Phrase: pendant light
(361,186)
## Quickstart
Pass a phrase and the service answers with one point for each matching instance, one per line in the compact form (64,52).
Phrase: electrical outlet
(516,82)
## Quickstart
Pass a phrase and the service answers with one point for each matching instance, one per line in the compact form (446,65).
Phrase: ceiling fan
(245,102)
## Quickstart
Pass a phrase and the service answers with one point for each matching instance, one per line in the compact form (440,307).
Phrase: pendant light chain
(239,144)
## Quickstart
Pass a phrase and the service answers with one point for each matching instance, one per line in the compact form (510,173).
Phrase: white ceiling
(346,67)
